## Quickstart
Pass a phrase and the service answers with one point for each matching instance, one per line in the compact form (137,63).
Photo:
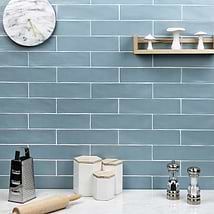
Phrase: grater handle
(17,155)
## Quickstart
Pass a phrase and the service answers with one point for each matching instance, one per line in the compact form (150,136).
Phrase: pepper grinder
(193,196)
(173,192)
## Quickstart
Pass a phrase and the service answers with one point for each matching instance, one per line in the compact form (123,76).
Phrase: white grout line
(152,152)
(119,44)
(56,133)
(56,169)
(119,13)
(182,12)
(28,121)
(152,182)
(90,150)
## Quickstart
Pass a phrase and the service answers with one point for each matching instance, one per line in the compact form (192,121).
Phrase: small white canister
(103,185)
(84,167)
(116,166)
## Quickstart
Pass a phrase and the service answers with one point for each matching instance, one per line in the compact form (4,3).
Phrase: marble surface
(130,201)
(29,22)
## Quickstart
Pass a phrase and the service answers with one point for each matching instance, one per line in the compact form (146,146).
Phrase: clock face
(29,22)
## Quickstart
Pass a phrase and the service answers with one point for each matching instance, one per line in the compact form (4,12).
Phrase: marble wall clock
(29,22)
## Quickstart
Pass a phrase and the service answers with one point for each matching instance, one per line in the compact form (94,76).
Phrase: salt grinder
(173,192)
(193,196)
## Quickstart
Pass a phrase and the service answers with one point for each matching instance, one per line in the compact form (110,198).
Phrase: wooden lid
(113,162)
(104,174)
(87,159)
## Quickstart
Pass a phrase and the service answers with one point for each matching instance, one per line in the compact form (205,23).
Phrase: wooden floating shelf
(139,40)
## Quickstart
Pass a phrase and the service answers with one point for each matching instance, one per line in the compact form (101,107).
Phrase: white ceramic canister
(84,167)
(116,166)
(103,185)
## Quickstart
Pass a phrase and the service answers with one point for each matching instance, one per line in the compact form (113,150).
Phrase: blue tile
(121,121)
(87,106)
(7,45)
(123,152)
(70,1)
(58,151)
(137,182)
(13,121)
(122,2)
(87,137)
(88,12)
(4,182)
(145,168)
(13,59)
(150,12)
(184,121)
(44,167)
(120,59)
(5,167)
(87,74)
(65,90)
(149,137)
(183,152)
(184,61)
(24,74)
(59,121)
(183,91)
(200,13)
(2,32)
(13,90)
(206,2)
(8,152)
(84,92)
(64,168)
(121,90)
(192,26)
(59,59)
(53,182)
(155,106)
(126,43)
(27,137)
(27,106)
(197,137)
(206,167)
(64,28)
(199,75)
(87,43)
(121,27)
(150,75)
(198,106)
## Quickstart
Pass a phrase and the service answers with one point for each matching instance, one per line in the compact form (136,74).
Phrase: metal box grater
(22,185)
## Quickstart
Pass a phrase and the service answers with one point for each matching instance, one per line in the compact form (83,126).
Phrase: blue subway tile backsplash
(84,92)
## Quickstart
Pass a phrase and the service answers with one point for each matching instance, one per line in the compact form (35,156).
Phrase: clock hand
(34,32)
(38,31)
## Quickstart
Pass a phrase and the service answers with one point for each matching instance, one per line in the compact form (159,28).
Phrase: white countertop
(129,202)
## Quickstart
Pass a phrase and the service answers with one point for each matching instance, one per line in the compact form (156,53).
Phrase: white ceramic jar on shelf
(103,185)
(84,167)
(116,166)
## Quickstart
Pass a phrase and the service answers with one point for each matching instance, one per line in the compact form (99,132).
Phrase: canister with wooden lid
(116,166)
(103,185)
(84,167)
